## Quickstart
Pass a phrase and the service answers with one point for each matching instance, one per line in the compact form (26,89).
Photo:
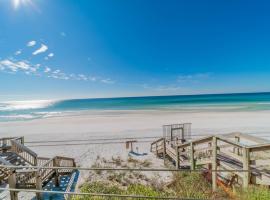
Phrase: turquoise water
(23,110)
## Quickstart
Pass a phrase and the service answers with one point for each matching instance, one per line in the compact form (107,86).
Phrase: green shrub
(254,193)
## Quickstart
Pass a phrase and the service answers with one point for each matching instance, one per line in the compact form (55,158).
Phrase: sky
(107,48)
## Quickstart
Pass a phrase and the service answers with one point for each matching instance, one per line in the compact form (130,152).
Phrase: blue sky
(76,49)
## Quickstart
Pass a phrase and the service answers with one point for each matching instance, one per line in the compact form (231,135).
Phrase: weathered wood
(231,154)
(12,185)
(177,162)
(246,166)
(260,147)
(164,150)
(192,161)
(214,164)
(236,149)
(38,186)
(235,144)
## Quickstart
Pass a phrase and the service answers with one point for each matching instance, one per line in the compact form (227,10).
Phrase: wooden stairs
(14,153)
(249,156)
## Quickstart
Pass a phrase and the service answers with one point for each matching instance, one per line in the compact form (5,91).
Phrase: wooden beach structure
(13,152)
(230,160)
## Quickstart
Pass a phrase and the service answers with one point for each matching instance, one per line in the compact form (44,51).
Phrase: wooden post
(4,145)
(38,186)
(192,161)
(164,149)
(246,159)
(177,163)
(237,139)
(56,178)
(156,150)
(12,185)
(214,164)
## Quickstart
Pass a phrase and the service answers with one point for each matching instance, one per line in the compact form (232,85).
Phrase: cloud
(193,77)
(42,49)
(31,43)
(82,77)
(168,88)
(56,71)
(107,81)
(50,55)
(47,69)
(14,66)
(92,78)
(18,52)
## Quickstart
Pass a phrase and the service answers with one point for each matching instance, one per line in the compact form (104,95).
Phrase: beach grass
(254,193)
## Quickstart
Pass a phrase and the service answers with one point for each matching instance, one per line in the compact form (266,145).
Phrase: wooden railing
(221,153)
(25,179)
(42,160)
(24,152)
(64,162)
(5,143)
(45,173)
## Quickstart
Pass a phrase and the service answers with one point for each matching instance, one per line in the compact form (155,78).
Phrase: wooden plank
(231,142)
(164,150)
(246,166)
(214,164)
(231,154)
(253,138)
(261,147)
(204,161)
(261,180)
(38,186)
(260,162)
(177,164)
(192,161)
(12,185)
(226,166)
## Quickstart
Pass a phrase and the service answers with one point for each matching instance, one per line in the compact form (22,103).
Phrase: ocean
(27,110)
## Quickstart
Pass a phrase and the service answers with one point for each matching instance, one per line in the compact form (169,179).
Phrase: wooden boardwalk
(14,153)
(236,151)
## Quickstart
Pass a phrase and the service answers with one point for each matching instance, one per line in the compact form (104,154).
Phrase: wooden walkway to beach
(247,158)
(14,153)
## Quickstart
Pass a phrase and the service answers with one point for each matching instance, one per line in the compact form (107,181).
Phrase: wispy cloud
(14,65)
(18,52)
(31,43)
(168,88)
(47,69)
(193,77)
(107,81)
(42,49)
(51,55)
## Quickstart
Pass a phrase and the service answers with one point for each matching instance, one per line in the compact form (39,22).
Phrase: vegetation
(133,189)
(254,193)
(182,185)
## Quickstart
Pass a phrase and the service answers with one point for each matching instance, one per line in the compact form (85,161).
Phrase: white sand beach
(118,124)
(90,127)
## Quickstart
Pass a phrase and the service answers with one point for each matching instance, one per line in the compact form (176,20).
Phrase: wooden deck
(14,153)
(221,152)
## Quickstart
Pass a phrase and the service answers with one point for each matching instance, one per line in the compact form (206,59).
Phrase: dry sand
(109,124)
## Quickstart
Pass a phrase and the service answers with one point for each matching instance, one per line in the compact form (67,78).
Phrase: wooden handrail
(160,139)
(220,138)
(24,148)
(259,147)
(24,152)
